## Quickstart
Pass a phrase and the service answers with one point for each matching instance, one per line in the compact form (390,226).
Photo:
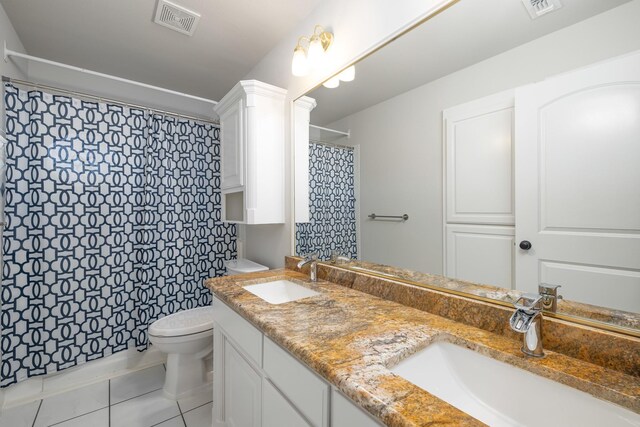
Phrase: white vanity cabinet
(344,413)
(252,153)
(258,383)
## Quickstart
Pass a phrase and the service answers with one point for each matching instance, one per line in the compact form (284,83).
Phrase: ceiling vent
(176,17)
(537,8)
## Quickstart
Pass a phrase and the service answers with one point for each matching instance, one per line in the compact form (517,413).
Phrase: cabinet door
(301,386)
(232,145)
(277,411)
(346,414)
(238,388)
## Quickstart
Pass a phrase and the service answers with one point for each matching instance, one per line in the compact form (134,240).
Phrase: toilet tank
(241,266)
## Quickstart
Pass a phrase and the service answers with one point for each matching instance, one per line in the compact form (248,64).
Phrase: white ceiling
(119,37)
(465,34)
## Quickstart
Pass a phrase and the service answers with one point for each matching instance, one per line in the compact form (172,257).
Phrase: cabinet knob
(525,245)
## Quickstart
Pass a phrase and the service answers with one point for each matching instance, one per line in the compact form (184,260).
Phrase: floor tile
(19,416)
(200,417)
(143,411)
(196,400)
(136,383)
(173,422)
(73,403)
(99,418)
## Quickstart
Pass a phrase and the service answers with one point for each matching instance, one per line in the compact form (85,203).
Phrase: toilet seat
(186,322)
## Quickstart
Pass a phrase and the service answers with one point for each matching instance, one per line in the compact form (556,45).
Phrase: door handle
(525,245)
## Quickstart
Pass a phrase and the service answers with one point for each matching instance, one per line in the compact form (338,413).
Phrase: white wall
(359,27)
(401,138)
(9,36)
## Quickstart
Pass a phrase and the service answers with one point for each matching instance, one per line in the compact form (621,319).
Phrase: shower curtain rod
(7,53)
(331,144)
(347,134)
(105,99)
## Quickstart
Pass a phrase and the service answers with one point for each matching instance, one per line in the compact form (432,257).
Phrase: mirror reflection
(491,148)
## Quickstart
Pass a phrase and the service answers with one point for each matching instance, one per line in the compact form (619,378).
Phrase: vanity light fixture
(347,75)
(306,59)
(332,83)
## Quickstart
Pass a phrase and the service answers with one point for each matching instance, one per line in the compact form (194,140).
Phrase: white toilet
(241,266)
(187,338)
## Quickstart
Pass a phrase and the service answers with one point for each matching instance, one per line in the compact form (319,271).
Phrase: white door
(478,188)
(577,169)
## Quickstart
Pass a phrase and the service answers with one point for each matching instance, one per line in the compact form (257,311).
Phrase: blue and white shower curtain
(113,221)
(332,204)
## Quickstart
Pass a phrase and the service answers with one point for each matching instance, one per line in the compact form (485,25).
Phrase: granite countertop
(573,308)
(352,339)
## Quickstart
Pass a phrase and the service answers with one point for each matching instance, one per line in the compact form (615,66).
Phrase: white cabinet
(277,411)
(258,383)
(242,391)
(344,413)
(252,140)
(232,153)
(308,392)
(301,118)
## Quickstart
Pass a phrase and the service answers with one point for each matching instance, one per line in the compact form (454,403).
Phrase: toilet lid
(183,322)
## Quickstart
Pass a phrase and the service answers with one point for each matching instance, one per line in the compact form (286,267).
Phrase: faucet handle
(550,296)
(529,303)
(312,256)
(527,308)
(336,257)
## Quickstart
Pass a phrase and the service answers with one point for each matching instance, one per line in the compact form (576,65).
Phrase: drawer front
(304,389)
(277,411)
(240,331)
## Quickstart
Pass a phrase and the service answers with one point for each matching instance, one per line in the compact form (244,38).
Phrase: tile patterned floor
(133,400)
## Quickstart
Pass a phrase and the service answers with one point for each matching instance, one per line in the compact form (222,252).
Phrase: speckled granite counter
(572,308)
(352,339)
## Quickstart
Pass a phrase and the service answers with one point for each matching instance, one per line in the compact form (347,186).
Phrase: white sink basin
(280,291)
(499,394)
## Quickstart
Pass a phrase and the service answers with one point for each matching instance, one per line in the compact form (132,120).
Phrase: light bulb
(315,52)
(299,63)
(348,75)
(332,83)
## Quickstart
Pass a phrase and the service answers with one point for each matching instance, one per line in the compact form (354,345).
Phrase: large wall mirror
(491,148)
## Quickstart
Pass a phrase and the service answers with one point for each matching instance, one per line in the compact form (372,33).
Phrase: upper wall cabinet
(252,133)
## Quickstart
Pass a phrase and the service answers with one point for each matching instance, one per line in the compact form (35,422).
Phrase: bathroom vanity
(344,357)
(258,383)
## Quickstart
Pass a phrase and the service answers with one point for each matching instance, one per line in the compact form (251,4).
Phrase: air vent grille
(176,17)
(537,8)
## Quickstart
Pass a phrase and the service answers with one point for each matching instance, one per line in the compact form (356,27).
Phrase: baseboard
(92,372)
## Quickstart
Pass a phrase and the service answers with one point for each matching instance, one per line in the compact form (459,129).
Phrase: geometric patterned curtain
(185,240)
(113,221)
(332,204)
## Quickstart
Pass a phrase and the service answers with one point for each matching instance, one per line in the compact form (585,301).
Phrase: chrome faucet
(527,320)
(313,260)
(337,257)
(550,296)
